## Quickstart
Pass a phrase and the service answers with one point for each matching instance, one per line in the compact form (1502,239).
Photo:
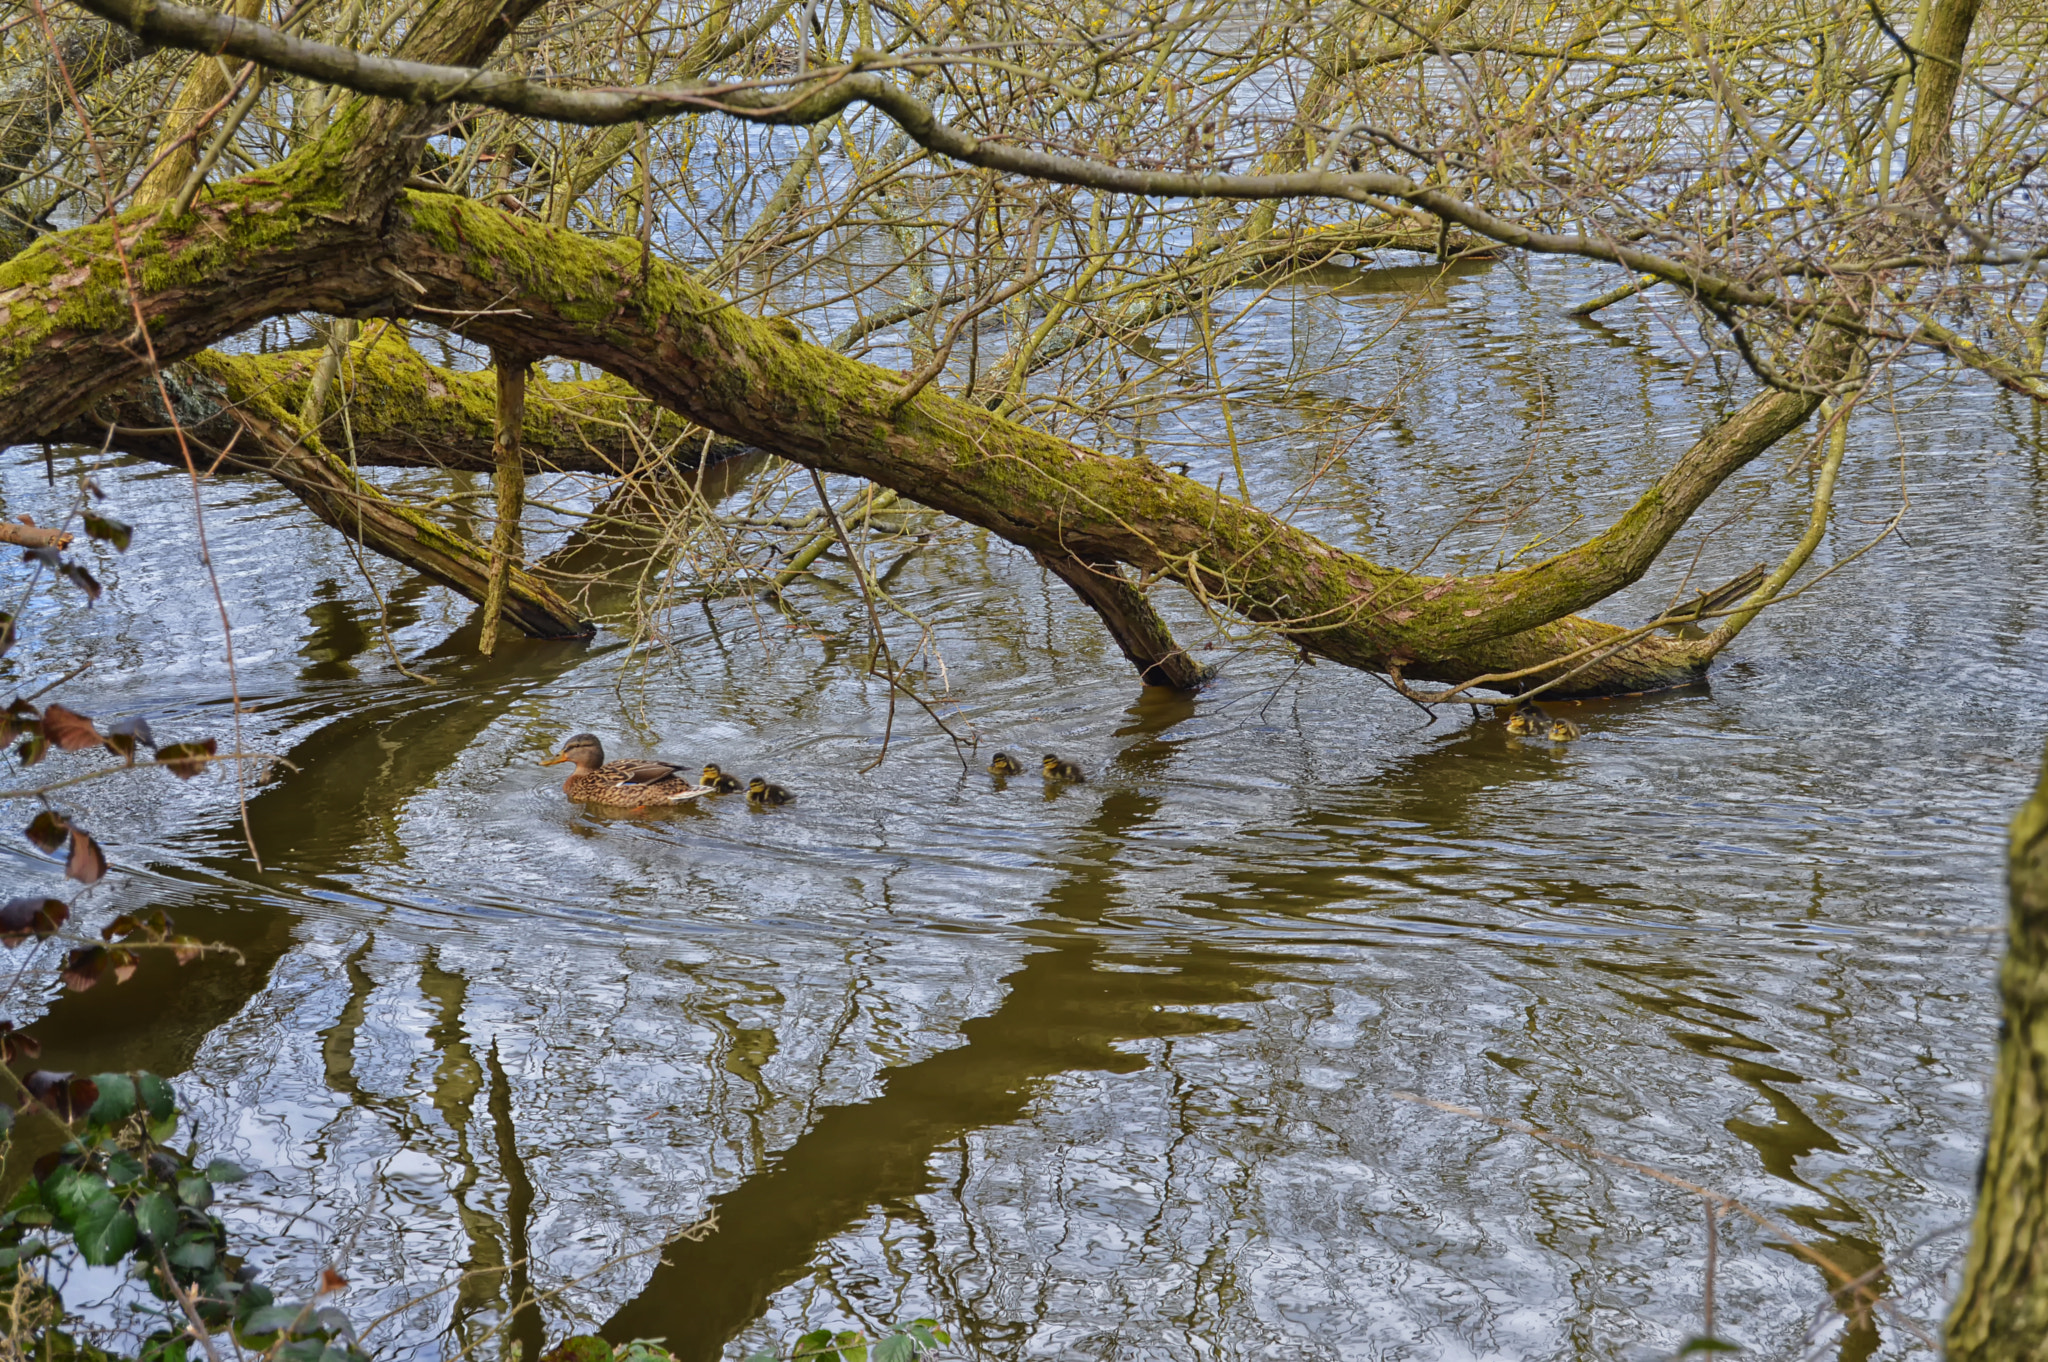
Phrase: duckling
(1526,721)
(762,795)
(1564,730)
(1055,769)
(1005,765)
(717,781)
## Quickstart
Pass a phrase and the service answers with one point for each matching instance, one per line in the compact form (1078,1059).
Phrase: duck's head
(757,787)
(1004,764)
(584,749)
(711,773)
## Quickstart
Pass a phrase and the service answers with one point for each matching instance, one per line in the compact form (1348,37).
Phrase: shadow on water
(1065,1013)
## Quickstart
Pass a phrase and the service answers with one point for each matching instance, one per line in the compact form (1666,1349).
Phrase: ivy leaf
(115,532)
(156,1215)
(87,863)
(77,1195)
(117,1100)
(187,759)
(105,1239)
(197,1255)
(47,829)
(70,730)
(32,916)
(157,1098)
(271,1319)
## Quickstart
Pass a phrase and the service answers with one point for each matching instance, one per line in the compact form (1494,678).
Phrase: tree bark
(2001,1314)
(1131,619)
(508,479)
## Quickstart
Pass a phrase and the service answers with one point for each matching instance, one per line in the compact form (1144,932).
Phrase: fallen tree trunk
(402,413)
(678,343)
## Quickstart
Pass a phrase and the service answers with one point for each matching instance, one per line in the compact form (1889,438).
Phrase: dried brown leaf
(70,730)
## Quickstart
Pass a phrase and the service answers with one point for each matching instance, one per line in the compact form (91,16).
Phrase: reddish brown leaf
(32,916)
(87,863)
(330,1282)
(70,730)
(83,580)
(48,829)
(82,968)
(123,963)
(124,737)
(69,1096)
(17,1045)
(32,748)
(119,927)
(186,949)
(17,719)
(187,759)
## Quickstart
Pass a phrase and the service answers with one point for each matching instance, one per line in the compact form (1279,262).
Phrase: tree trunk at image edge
(2002,1311)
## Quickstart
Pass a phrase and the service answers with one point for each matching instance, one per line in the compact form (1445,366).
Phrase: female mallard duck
(1564,730)
(1005,765)
(1526,721)
(1055,769)
(630,783)
(761,794)
(717,781)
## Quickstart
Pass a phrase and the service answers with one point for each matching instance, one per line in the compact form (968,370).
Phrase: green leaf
(197,1254)
(762,1357)
(813,1342)
(896,1348)
(123,1167)
(6,1119)
(220,1170)
(195,1192)
(921,1330)
(117,1100)
(852,1346)
(115,532)
(1708,1345)
(271,1319)
(157,1098)
(157,1216)
(78,1195)
(105,1240)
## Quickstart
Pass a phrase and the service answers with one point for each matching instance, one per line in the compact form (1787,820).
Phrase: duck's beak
(557,759)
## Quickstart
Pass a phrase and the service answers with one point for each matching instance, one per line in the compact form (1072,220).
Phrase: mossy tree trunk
(508,479)
(2001,1314)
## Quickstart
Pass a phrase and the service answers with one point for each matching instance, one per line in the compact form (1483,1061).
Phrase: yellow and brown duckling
(629,783)
(1564,730)
(1055,769)
(1005,765)
(763,795)
(1526,721)
(717,781)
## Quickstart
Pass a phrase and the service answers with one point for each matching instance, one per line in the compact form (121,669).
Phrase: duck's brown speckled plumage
(628,783)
